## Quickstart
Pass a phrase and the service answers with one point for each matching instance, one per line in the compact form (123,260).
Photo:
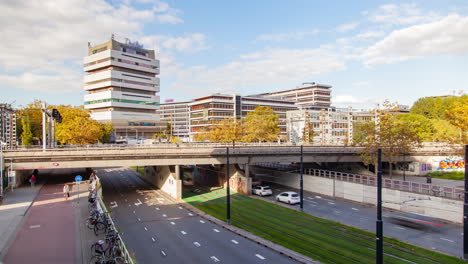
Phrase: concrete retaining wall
(443,208)
(164,178)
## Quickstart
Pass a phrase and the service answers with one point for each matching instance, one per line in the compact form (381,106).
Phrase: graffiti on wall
(238,184)
(451,164)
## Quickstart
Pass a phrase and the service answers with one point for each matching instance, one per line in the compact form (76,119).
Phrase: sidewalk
(13,209)
(53,230)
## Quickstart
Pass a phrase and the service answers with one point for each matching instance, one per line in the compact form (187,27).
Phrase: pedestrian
(32,180)
(66,191)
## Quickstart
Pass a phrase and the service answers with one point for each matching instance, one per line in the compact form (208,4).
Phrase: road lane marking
(355,209)
(337,212)
(331,203)
(318,197)
(215,259)
(172,223)
(133,211)
(216,230)
(180,207)
(399,227)
(196,244)
(129,205)
(154,240)
(190,214)
(260,256)
(312,198)
(125,200)
(201,221)
(157,208)
(447,239)
(146,229)
(164,215)
(183,232)
(163,253)
(139,219)
(113,204)
(312,202)
(235,242)
(313,205)
(138,203)
(34,226)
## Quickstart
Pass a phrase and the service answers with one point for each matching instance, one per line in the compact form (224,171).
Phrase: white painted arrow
(113,204)
(139,202)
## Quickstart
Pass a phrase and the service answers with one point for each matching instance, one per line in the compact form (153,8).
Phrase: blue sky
(368,51)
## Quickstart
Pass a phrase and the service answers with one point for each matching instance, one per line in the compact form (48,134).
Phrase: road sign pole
(228,198)
(465,210)
(379,226)
(78,180)
(302,179)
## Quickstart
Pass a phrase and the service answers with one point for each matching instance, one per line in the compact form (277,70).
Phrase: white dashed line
(260,256)
(164,215)
(355,209)
(139,219)
(331,203)
(235,242)
(34,226)
(154,240)
(337,212)
(399,227)
(133,211)
(129,205)
(312,202)
(201,221)
(146,229)
(157,208)
(183,232)
(318,197)
(163,253)
(215,259)
(172,223)
(190,214)
(180,207)
(446,239)
(216,230)
(196,244)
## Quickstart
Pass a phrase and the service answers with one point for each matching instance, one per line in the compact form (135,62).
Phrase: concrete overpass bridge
(195,154)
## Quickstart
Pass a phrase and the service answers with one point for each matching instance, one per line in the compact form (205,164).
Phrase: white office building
(122,87)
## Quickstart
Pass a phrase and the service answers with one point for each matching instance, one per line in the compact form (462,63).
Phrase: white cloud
(289,36)
(446,36)
(346,27)
(403,14)
(270,67)
(187,43)
(43,40)
(351,99)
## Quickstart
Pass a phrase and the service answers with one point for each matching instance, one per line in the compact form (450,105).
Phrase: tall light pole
(228,197)
(379,225)
(301,193)
(1,167)
(465,210)
(44,133)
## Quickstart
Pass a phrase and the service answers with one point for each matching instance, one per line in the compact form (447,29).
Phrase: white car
(288,197)
(262,190)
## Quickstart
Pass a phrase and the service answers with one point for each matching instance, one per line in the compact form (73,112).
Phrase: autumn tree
(77,127)
(26,135)
(261,125)
(457,115)
(33,114)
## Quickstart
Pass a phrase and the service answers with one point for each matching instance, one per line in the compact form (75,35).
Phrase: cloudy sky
(368,50)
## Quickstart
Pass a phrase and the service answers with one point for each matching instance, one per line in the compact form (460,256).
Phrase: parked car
(288,197)
(262,190)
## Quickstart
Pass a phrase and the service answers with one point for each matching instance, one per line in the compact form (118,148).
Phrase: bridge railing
(456,193)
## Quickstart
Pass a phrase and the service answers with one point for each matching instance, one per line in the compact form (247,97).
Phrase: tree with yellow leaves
(261,125)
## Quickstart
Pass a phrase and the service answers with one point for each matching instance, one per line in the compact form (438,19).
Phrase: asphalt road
(157,230)
(447,239)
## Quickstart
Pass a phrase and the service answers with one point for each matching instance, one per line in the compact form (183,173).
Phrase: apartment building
(207,111)
(122,86)
(178,115)
(8,126)
(333,126)
(307,96)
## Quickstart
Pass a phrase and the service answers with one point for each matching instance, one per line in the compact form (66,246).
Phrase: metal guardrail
(125,254)
(408,186)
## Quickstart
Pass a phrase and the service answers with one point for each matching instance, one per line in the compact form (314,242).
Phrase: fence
(415,187)
(103,209)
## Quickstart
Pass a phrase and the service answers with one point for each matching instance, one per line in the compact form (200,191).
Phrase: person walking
(66,191)
(32,180)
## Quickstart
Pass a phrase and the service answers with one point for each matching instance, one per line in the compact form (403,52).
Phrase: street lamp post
(379,225)
(302,179)
(228,197)
(465,210)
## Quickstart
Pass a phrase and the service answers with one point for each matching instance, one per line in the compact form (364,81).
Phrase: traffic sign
(78,178)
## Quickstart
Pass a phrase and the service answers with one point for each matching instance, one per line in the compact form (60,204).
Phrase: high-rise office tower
(122,86)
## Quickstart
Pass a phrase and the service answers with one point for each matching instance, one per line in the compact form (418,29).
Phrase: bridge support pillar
(166,178)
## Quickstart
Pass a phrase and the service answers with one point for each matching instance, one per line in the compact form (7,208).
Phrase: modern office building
(333,126)
(8,126)
(122,85)
(307,96)
(207,111)
(177,114)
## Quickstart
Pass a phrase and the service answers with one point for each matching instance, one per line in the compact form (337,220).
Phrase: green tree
(433,107)
(261,125)
(419,124)
(33,113)
(458,113)
(444,131)
(107,130)
(26,135)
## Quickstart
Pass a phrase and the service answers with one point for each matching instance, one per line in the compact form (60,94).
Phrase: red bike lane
(47,234)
